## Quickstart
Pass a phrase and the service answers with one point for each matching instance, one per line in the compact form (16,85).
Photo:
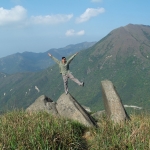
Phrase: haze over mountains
(33,62)
(123,57)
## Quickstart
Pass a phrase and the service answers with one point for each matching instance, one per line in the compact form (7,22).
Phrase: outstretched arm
(56,60)
(71,58)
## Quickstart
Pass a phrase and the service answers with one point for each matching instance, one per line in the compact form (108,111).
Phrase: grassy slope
(20,130)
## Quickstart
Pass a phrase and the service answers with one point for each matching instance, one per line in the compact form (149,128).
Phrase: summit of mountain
(122,56)
(125,41)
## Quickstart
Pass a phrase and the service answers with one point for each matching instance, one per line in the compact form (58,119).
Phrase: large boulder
(112,102)
(43,103)
(68,107)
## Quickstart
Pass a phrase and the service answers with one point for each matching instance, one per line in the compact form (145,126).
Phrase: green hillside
(123,57)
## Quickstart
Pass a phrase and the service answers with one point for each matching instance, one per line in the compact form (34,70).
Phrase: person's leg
(75,80)
(65,79)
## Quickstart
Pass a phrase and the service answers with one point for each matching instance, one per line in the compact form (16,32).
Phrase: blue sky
(39,25)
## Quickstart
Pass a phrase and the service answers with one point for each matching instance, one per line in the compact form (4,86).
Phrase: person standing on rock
(64,70)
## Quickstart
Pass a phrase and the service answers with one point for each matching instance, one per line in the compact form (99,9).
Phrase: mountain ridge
(33,62)
(119,57)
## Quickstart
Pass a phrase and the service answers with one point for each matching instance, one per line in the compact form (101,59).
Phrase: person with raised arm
(64,70)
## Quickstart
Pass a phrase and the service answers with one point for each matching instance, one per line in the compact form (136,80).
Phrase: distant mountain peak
(126,41)
(33,62)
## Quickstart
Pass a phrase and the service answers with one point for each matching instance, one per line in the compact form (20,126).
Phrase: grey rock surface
(112,102)
(43,103)
(68,107)
(97,115)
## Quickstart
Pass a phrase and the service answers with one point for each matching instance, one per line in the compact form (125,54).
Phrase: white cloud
(51,19)
(96,1)
(14,15)
(18,14)
(72,32)
(90,12)
(82,32)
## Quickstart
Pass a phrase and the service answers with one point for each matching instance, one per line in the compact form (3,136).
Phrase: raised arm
(56,60)
(71,58)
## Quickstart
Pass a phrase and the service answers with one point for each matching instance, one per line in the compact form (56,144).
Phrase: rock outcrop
(112,102)
(43,103)
(98,115)
(66,106)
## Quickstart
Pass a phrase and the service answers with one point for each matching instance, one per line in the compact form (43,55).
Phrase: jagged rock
(43,103)
(68,107)
(97,115)
(112,102)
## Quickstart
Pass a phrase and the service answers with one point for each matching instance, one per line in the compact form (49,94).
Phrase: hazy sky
(39,25)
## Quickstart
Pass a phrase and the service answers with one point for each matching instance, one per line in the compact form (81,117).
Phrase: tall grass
(133,135)
(41,131)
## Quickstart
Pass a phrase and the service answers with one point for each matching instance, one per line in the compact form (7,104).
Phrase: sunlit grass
(133,135)
(41,131)
(20,130)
